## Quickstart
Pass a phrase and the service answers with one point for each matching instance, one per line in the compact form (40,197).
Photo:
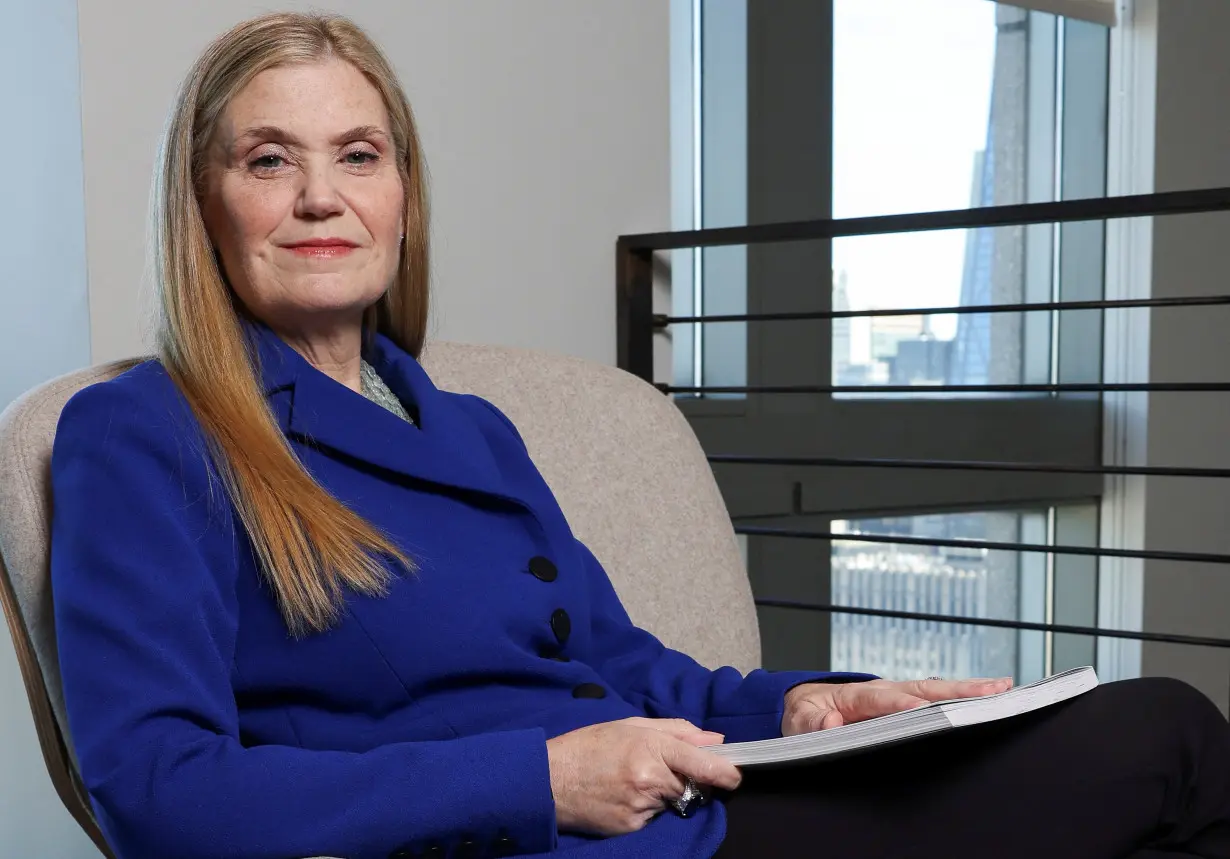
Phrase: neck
(336,352)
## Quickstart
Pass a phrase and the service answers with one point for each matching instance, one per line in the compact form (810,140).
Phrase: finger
(681,729)
(651,777)
(868,702)
(705,738)
(705,767)
(947,690)
(669,786)
(811,716)
(988,686)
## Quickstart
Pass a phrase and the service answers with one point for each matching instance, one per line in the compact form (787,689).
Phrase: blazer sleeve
(670,684)
(143,573)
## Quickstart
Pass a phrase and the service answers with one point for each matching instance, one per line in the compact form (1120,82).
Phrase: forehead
(322,97)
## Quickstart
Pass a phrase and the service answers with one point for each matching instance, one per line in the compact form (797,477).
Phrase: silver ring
(693,797)
(934,678)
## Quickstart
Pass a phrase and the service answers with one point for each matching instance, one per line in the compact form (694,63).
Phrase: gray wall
(44,331)
(44,312)
(546,129)
(1191,256)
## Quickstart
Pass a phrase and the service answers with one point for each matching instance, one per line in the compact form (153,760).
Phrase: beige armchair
(619,456)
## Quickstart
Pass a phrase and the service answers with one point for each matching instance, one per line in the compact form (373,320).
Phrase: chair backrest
(623,462)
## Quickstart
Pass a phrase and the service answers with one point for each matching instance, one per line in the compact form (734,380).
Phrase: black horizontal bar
(1062,388)
(1092,209)
(969,465)
(993,545)
(662,320)
(1169,638)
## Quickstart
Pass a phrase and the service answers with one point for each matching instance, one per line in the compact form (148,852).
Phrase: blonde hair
(311,547)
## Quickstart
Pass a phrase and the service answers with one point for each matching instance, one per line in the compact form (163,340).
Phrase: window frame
(1043,429)
(1104,12)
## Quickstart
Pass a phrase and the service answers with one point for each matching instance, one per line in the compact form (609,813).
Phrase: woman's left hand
(818,706)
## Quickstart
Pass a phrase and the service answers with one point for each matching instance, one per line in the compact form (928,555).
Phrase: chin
(334,297)
(314,314)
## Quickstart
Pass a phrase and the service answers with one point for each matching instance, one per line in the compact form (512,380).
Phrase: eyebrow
(280,135)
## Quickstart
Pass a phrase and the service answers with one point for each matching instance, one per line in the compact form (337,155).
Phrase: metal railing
(637,325)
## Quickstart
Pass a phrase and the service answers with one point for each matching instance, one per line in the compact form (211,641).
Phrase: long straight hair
(311,548)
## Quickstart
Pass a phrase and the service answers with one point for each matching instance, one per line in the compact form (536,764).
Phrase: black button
(402,853)
(435,851)
(589,690)
(542,569)
(503,846)
(561,625)
(466,850)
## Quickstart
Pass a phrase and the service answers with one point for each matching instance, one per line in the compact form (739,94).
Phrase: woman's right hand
(614,777)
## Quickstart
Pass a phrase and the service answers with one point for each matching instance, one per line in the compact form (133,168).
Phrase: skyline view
(908,143)
(959,267)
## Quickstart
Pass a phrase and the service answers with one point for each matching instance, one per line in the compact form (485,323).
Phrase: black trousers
(1133,770)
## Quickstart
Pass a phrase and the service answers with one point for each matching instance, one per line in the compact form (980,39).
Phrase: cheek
(239,217)
(256,211)
(382,211)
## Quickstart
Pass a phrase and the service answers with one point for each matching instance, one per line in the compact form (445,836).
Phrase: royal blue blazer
(420,721)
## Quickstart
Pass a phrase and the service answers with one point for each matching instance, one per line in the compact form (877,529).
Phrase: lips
(322,248)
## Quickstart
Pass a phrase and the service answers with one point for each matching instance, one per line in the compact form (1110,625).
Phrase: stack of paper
(908,724)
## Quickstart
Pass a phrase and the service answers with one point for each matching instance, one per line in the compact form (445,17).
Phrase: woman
(307,603)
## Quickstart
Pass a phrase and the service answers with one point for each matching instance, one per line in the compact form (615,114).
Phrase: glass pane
(709,185)
(936,580)
(909,135)
(974,122)
(993,267)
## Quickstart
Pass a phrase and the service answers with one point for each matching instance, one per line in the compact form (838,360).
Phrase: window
(960,581)
(851,108)
(983,118)
(930,580)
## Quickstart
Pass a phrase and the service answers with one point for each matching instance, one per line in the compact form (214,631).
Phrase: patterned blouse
(374,388)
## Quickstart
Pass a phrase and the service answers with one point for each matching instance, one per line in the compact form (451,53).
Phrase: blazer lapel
(446,448)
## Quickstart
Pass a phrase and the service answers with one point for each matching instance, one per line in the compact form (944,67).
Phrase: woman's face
(303,198)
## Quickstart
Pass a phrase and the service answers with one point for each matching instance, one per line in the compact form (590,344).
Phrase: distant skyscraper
(841,330)
(988,348)
(887,332)
(971,358)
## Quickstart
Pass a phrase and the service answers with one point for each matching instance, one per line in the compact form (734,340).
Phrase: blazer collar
(447,447)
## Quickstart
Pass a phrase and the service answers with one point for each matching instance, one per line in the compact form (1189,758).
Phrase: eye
(267,162)
(360,157)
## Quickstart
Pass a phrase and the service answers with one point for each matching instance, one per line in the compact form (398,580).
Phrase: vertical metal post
(698,188)
(634,310)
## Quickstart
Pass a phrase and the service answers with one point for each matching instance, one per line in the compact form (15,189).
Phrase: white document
(908,724)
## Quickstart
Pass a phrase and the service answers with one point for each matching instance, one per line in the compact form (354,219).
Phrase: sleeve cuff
(510,788)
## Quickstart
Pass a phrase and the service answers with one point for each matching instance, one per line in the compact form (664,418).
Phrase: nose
(319,197)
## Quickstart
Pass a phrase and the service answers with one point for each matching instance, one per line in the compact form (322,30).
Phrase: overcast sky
(912,88)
